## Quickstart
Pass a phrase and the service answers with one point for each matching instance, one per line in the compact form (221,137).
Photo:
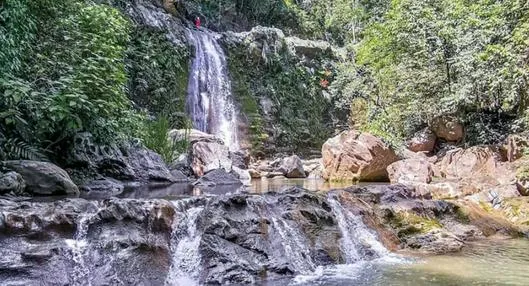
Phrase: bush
(156,138)
(66,75)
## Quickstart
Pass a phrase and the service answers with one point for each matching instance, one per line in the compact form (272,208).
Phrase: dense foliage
(66,75)
(158,73)
(75,66)
(301,116)
(427,58)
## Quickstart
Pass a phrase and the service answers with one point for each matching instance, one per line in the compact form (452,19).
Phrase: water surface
(488,262)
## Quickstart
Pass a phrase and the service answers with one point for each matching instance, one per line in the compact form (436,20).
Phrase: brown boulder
(356,156)
(469,163)
(410,171)
(422,141)
(448,128)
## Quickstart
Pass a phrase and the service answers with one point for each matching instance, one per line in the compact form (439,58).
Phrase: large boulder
(12,182)
(422,141)
(73,239)
(128,162)
(410,171)
(292,167)
(207,156)
(448,128)
(356,156)
(469,163)
(43,178)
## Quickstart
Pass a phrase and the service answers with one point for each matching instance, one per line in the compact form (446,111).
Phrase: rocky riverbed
(236,238)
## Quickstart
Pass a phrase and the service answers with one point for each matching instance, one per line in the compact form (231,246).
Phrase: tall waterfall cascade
(210,104)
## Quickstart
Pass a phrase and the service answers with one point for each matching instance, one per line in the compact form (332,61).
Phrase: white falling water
(186,259)
(355,235)
(295,246)
(210,104)
(209,99)
(79,248)
(359,245)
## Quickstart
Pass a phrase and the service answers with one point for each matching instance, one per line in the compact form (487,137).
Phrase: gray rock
(240,159)
(218,177)
(129,162)
(12,182)
(127,242)
(148,165)
(292,167)
(243,175)
(179,176)
(43,178)
(182,165)
(104,187)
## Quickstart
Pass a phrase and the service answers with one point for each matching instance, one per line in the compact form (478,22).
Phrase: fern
(13,148)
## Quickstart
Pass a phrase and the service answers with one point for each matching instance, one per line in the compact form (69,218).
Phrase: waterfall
(185,240)
(287,242)
(294,245)
(209,105)
(357,239)
(209,99)
(79,248)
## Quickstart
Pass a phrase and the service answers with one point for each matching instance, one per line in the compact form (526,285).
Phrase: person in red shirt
(197,22)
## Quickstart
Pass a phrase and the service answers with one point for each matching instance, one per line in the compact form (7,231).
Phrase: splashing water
(186,259)
(209,98)
(360,246)
(79,248)
(356,239)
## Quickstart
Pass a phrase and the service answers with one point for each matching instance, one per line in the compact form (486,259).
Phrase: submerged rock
(356,156)
(43,178)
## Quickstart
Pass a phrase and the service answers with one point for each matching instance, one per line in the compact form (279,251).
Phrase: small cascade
(295,246)
(79,248)
(185,242)
(357,239)
(209,99)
